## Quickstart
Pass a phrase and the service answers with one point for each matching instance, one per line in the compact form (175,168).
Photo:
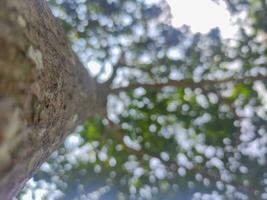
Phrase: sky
(201,16)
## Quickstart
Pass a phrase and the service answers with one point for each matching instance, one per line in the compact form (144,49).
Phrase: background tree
(186,113)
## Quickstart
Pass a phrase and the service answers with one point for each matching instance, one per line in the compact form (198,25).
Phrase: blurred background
(186,118)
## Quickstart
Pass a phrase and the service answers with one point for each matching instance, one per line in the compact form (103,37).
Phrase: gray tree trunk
(44,91)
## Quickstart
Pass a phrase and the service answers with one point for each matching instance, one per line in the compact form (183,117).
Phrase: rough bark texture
(44,90)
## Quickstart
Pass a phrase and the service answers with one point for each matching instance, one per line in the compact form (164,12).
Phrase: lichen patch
(72,120)
(13,126)
(36,57)
(21,21)
(5,158)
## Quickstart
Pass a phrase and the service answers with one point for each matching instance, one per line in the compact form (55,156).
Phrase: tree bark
(44,91)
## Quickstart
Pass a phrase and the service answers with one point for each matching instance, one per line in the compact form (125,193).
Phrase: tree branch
(186,83)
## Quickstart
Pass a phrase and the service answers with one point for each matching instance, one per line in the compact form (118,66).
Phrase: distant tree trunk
(44,91)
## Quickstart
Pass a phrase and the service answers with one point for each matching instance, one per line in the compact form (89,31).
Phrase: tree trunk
(44,91)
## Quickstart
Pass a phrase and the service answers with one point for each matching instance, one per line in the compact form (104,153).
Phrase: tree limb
(185,83)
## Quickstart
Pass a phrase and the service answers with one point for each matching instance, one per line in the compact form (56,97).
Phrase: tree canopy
(186,113)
